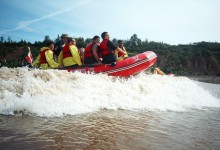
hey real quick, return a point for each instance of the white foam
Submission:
(57, 93)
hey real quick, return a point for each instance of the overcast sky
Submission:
(168, 21)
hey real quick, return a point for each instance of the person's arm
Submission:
(75, 55)
(116, 53)
(120, 50)
(50, 59)
(126, 54)
(94, 51)
(83, 57)
(113, 47)
(82, 51)
(36, 63)
(60, 58)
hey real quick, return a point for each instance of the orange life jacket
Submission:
(120, 53)
(105, 50)
(66, 51)
(43, 59)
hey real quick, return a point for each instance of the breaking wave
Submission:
(53, 93)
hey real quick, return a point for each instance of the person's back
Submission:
(69, 56)
(91, 55)
(80, 50)
(46, 58)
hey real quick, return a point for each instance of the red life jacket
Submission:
(120, 53)
(105, 50)
(66, 51)
(43, 59)
(88, 50)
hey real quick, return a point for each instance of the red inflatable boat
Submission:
(127, 67)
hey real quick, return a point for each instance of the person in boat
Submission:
(69, 56)
(81, 54)
(45, 60)
(108, 50)
(91, 52)
(120, 55)
(158, 71)
(74, 42)
(60, 44)
(81, 51)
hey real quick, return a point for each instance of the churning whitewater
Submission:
(53, 93)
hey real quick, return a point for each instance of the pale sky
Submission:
(168, 21)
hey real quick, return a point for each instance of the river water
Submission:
(59, 110)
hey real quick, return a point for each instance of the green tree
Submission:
(87, 41)
(2, 39)
(135, 41)
(46, 39)
(57, 39)
(80, 42)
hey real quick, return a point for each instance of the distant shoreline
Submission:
(206, 78)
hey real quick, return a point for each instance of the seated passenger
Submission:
(46, 57)
(108, 50)
(74, 42)
(120, 55)
(60, 44)
(81, 53)
(69, 56)
(158, 71)
(91, 52)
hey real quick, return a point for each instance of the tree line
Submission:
(183, 59)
